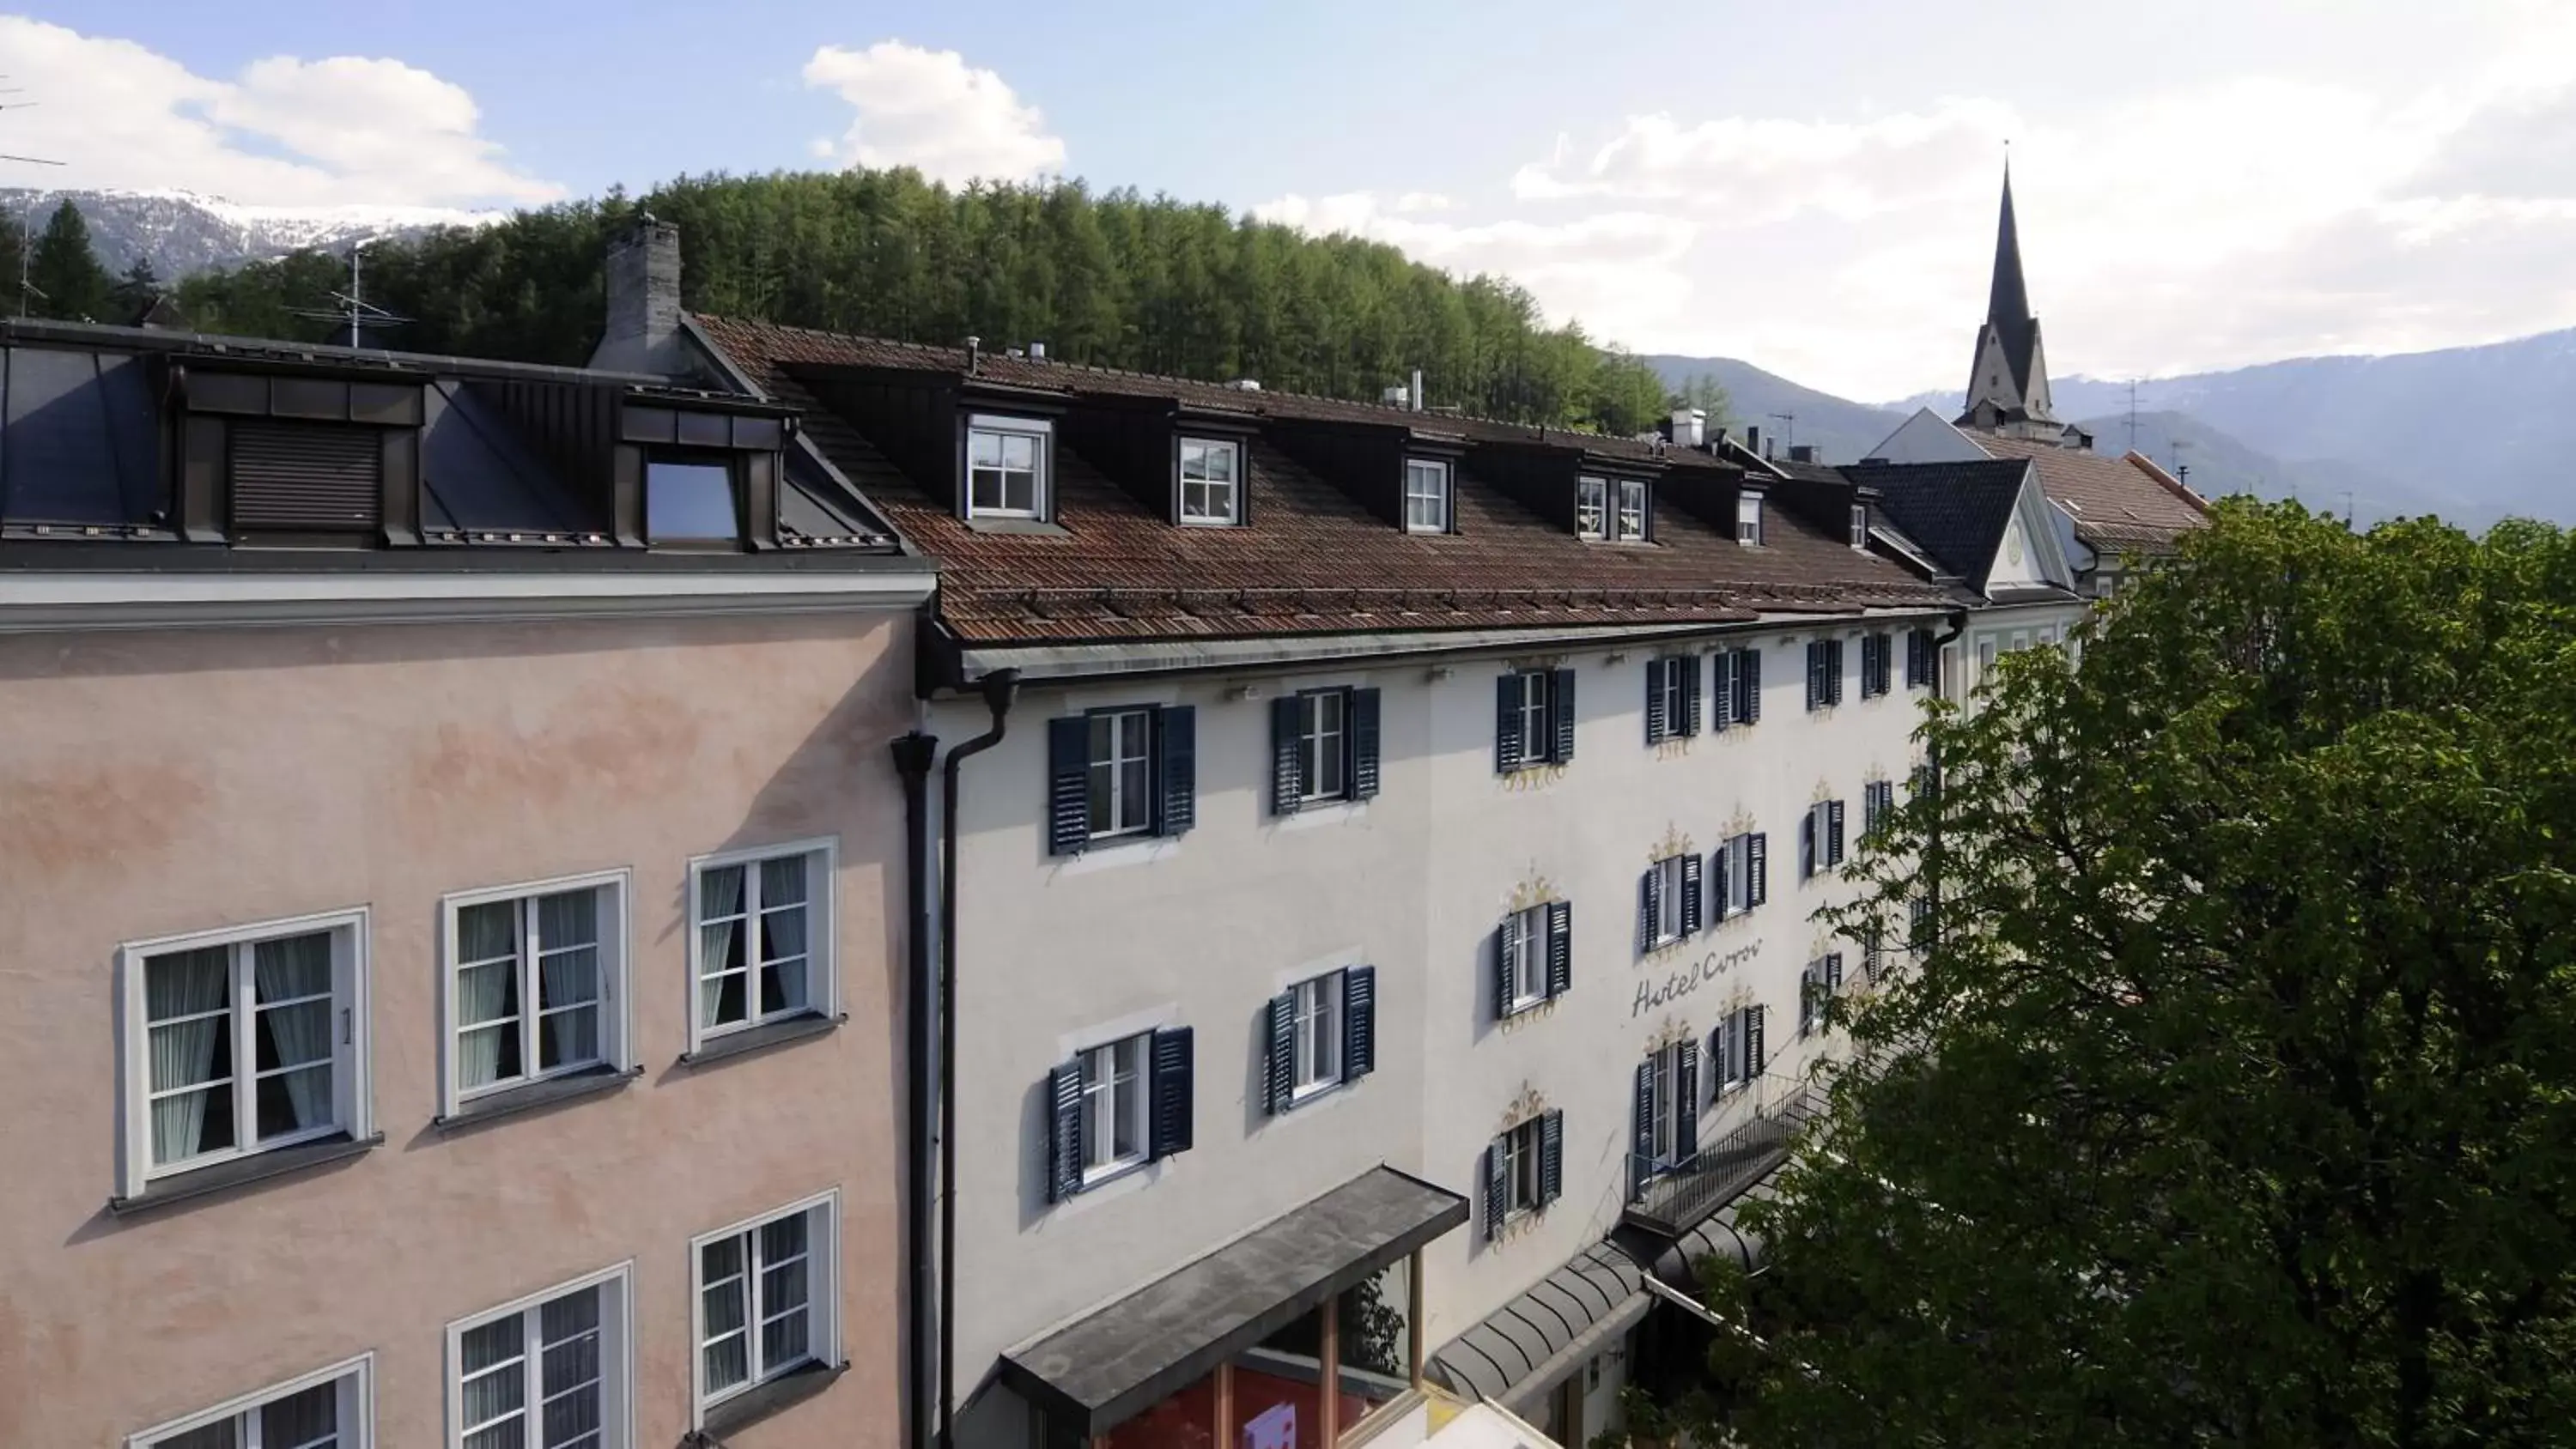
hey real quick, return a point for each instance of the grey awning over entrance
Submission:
(1118, 1361)
(1718, 1236)
(1536, 1341)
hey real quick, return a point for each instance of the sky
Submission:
(1811, 187)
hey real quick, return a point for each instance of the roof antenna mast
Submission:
(26, 210)
(354, 312)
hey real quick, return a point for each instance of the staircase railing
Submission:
(1675, 1198)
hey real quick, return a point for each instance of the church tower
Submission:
(2008, 381)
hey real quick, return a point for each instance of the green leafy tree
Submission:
(2233, 1098)
(69, 280)
(133, 293)
(1703, 391)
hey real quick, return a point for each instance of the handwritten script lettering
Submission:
(1690, 978)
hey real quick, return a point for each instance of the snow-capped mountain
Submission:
(180, 232)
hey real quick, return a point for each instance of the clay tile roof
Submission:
(1311, 559)
(2118, 505)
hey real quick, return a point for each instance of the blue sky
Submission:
(1810, 187)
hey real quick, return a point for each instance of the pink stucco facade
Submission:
(159, 783)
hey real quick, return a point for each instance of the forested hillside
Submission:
(1116, 279)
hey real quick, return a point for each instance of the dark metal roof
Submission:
(1600, 1292)
(77, 438)
(1118, 1361)
(1957, 512)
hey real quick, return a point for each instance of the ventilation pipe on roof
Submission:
(974, 354)
(1753, 439)
(1415, 394)
(1802, 453)
(1037, 352)
(1690, 428)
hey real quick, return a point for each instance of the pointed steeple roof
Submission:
(2008, 378)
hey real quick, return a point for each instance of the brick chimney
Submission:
(643, 333)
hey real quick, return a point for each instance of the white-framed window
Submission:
(243, 1041)
(1317, 1034)
(332, 1408)
(1525, 956)
(1666, 1091)
(1524, 1186)
(1859, 526)
(1426, 495)
(1117, 1123)
(1748, 519)
(1538, 721)
(1631, 519)
(1671, 921)
(1122, 772)
(555, 1370)
(767, 1299)
(1675, 681)
(761, 936)
(535, 982)
(1006, 468)
(1323, 744)
(1591, 507)
(1211, 481)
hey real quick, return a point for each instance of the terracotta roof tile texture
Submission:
(1310, 559)
(2119, 507)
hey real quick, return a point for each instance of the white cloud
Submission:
(341, 131)
(929, 109)
(1617, 272)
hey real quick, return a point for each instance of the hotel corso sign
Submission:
(1690, 977)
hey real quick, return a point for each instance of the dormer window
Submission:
(1632, 510)
(1591, 507)
(1748, 519)
(1211, 482)
(1610, 508)
(1426, 496)
(1859, 526)
(1006, 468)
(691, 500)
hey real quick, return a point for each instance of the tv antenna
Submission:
(26, 208)
(1788, 428)
(2133, 415)
(354, 310)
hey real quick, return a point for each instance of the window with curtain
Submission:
(535, 983)
(547, 1372)
(763, 937)
(765, 1299)
(319, 1411)
(248, 1043)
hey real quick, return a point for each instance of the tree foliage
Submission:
(2230, 1101)
(69, 280)
(1116, 279)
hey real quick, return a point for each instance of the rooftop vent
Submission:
(1690, 427)
(1396, 397)
(1802, 453)
(1245, 384)
(1037, 352)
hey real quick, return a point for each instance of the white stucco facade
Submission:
(1058, 953)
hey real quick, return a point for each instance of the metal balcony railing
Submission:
(1671, 1200)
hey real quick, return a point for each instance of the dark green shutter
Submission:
(1721, 691)
(1551, 1157)
(1833, 671)
(1810, 986)
(1686, 1100)
(1754, 1046)
(1502, 973)
(1816, 674)
(1287, 783)
(1363, 743)
(1690, 692)
(1561, 710)
(1641, 1129)
(1170, 1102)
(1508, 746)
(1064, 1139)
(1834, 971)
(1834, 831)
(1656, 726)
(1176, 730)
(1493, 1190)
(1560, 948)
(1807, 844)
(1694, 901)
(1757, 869)
(1748, 684)
(1649, 901)
(1717, 1056)
(1281, 1068)
(1359, 1022)
(1068, 785)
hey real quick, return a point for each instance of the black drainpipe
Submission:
(912, 758)
(999, 688)
(1932, 758)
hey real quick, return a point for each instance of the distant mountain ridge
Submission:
(182, 233)
(1842, 430)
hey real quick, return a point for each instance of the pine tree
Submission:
(133, 294)
(70, 282)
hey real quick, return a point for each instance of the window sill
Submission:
(761, 1038)
(257, 1167)
(527, 1097)
(1037, 526)
(1094, 1181)
(762, 1400)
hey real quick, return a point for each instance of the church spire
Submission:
(2009, 302)
(2008, 380)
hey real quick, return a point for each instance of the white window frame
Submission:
(1591, 506)
(1859, 527)
(1620, 493)
(1735, 886)
(1673, 686)
(357, 1410)
(616, 1357)
(1117, 774)
(822, 909)
(1316, 1031)
(1442, 497)
(822, 1299)
(1525, 946)
(1233, 486)
(1523, 1166)
(1100, 1159)
(1042, 479)
(1669, 920)
(1736, 1030)
(1316, 745)
(1748, 519)
(1820, 832)
(1538, 716)
(352, 1087)
(616, 888)
(1664, 1089)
